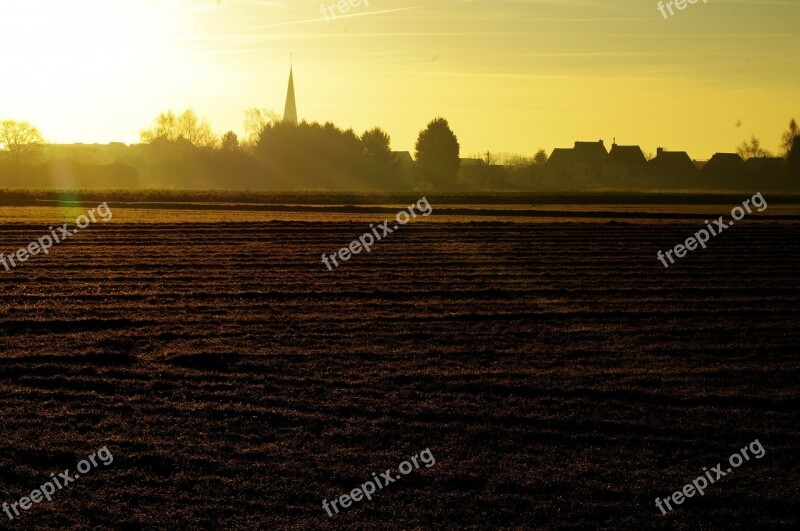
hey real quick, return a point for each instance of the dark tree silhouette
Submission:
(437, 152)
(789, 136)
(540, 157)
(313, 155)
(382, 162)
(230, 142)
(794, 158)
(377, 145)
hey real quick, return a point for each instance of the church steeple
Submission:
(290, 111)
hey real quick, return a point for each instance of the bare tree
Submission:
(255, 120)
(515, 160)
(196, 130)
(20, 140)
(188, 126)
(752, 149)
(483, 168)
(165, 125)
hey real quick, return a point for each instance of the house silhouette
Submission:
(624, 164)
(766, 169)
(724, 166)
(674, 168)
(580, 164)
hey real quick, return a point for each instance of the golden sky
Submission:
(509, 75)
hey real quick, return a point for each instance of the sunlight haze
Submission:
(510, 76)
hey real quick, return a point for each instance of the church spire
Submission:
(290, 111)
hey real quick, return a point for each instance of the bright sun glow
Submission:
(84, 39)
(79, 51)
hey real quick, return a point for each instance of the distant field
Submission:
(136, 213)
(41, 197)
(561, 377)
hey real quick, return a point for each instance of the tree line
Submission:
(311, 155)
(182, 151)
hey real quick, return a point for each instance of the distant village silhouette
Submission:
(289, 155)
(590, 163)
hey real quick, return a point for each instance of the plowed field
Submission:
(560, 375)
